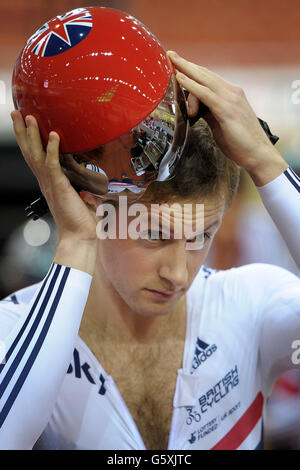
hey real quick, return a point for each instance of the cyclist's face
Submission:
(151, 275)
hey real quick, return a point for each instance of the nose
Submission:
(173, 266)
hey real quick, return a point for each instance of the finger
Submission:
(52, 156)
(35, 146)
(214, 102)
(193, 105)
(201, 74)
(20, 132)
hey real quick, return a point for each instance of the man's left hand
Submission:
(232, 120)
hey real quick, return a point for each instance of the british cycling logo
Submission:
(78, 368)
(208, 401)
(202, 352)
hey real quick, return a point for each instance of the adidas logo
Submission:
(202, 352)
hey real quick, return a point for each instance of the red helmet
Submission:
(103, 82)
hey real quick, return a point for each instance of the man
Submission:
(171, 354)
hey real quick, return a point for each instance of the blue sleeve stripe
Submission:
(296, 176)
(18, 337)
(291, 179)
(30, 361)
(11, 371)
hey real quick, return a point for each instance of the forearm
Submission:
(38, 350)
(281, 197)
(77, 254)
(269, 165)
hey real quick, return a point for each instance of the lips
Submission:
(162, 294)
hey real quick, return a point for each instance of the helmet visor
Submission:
(150, 151)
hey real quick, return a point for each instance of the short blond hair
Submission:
(202, 172)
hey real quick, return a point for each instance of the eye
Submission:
(200, 238)
(206, 236)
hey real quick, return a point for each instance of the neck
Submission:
(108, 317)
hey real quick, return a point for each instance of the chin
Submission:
(152, 313)
(154, 309)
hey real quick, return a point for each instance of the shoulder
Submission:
(13, 308)
(256, 282)
(266, 282)
(257, 273)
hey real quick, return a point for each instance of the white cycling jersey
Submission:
(242, 325)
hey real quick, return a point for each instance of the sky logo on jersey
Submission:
(12, 298)
(208, 272)
(202, 352)
(79, 368)
(62, 33)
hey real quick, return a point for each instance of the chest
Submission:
(146, 379)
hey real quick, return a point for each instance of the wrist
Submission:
(77, 253)
(269, 165)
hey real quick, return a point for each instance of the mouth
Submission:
(162, 295)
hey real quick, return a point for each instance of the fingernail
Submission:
(174, 54)
(180, 76)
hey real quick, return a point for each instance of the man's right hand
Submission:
(76, 224)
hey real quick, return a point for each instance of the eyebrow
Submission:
(213, 224)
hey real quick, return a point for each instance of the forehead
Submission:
(189, 208)
(200, 213)
(175, 220)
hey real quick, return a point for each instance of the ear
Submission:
(90, 199)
